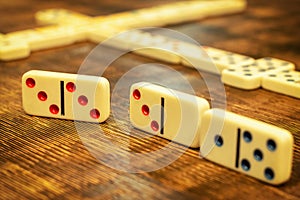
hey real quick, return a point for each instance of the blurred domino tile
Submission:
(171, 13)
(225, 59)
(12, 49)
(167, 113)
(250, 76)
(68, 27)
(73, 27)
(284, 82)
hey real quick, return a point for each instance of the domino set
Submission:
(257, 149)
(246, 145)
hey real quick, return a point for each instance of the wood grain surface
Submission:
(44, 158)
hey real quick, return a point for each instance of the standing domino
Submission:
(171, 13)
(45, 37)
(168, 113)
(284, 82)
(66, 96)
(246, 145)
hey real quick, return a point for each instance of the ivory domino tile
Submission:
(249, 146)
(66, 96)
(284, 82)
(167, 113)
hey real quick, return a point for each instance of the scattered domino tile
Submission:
(257, 149)
(66, 96)
(193, 10)
(231, 6)
(146, 44)
(146, 16)
(123, 19)
(60, 16)
(12, 50)
(162, 48)
(284, 82)
(155, 46)
(98, 34)
(194, 56)
(250, 76)
(129, 40)
(171, 13)
(226, 59)
(77, 33)
(232, 60)
(119, 21)
(44, 37)
(211, 59)
(275, 64)
(214, 52)
(167, 113)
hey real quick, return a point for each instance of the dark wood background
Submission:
(46, 158)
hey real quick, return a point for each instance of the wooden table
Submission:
(47, 158)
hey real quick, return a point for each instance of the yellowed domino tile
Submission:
(167, 113)
(74, 27)
(285, 82)
(102, 33)
(66, 96)
(13, 50)
(250, 76)
(60, 16)
(193, 55)
(45, 37)
(157, 47)
(246, 145)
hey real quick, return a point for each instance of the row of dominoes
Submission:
(237, 70)
(162, 15)
(243, 144)
(69, 27)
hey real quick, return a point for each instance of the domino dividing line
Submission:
(237, 158)
(162, 115)
(62, 98)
